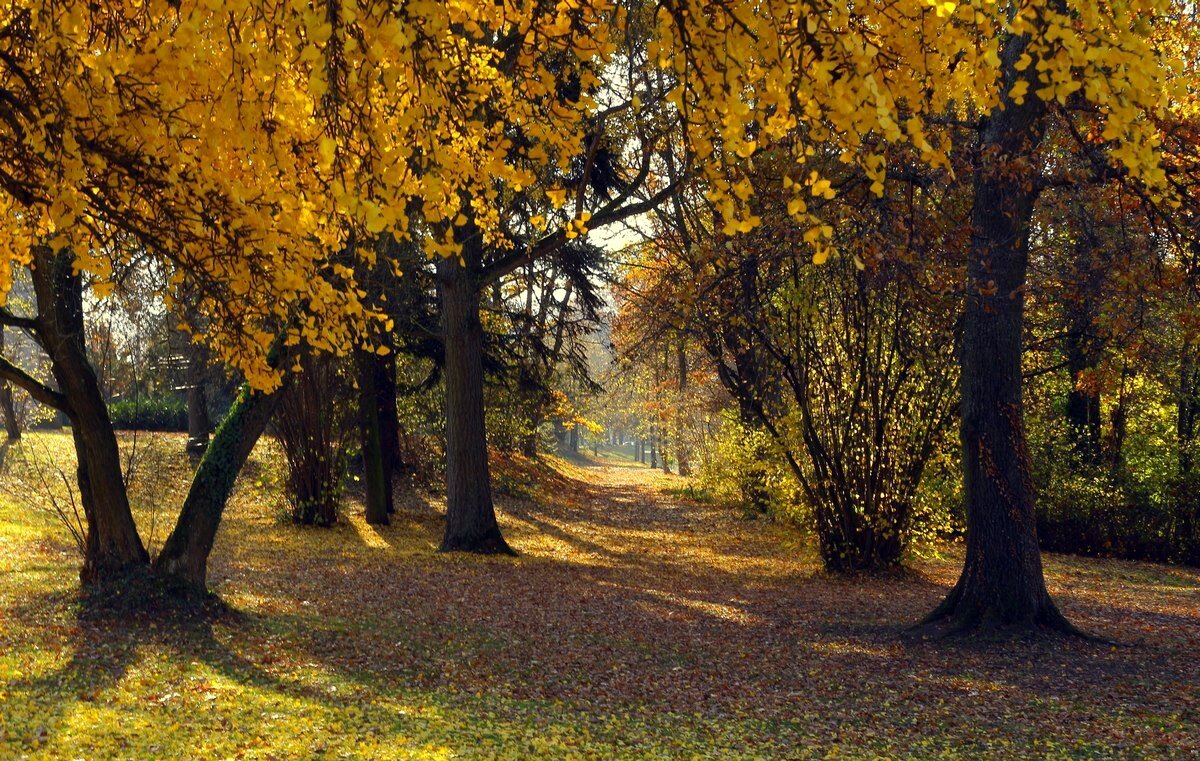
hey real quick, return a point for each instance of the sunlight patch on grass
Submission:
(369, 535)
(633, 626)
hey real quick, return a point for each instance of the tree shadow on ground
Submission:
(652, 605)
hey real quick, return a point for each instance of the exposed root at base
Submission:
(955, 619)
(492, 544)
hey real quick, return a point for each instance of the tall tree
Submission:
(1002, 581)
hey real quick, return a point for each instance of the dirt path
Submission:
(627, 597)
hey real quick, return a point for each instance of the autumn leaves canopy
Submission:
(252, 149)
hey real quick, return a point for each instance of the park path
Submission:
(627, 596)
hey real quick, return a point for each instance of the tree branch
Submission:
(38, 390)
(16, 321)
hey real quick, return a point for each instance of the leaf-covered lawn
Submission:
(635, 624)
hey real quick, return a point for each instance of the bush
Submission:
(313, 426)
(151, 413)
(1098, 511)
(741, 466)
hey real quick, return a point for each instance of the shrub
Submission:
(151, 413)
(312, 424)
(740, 465)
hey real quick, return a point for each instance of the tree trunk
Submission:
(199, 425)
(1187, 407)
(470, 515)
(1187, 415)
(184, 556)
(681, 454)
(377, 465)
(662, 450)
(529, 446)
(11, 425)
(112, 547)
(1083, 403)
(389, 420)
(1001, 582)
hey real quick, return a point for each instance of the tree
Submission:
(236, 154)
(1021, 59)
(1002, 581)
(12, 426)
(239, 147)
(311, 427)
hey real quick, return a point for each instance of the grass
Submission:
(634, 625)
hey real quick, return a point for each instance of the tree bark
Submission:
(184, 556)
(529, 446)
(662, 450)
(1002, 582)
(1187, 407)
(1187, 414)
(199, 425)
(377, 463)
(470, 515)
(681, 453)
(12, 426)
(389, 420)
(112, 546)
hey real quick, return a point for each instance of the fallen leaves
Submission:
(635, 624)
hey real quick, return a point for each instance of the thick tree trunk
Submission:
(11, 425)
(184, 556)
(1001, 582)
(470, 515)
(113, 548)
(377, 464)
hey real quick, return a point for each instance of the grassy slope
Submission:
(634, 625)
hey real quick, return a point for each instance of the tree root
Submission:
(491, 543)
(953, 618)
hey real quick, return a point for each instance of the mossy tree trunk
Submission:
(184, 556)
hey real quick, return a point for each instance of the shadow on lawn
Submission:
(106, 642)
(625, 618)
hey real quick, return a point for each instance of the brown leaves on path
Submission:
(634, 624)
